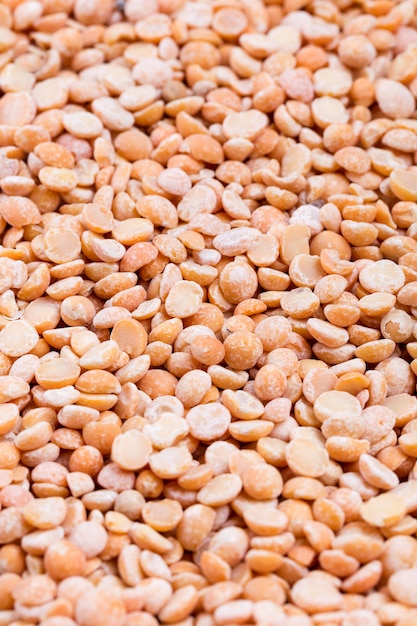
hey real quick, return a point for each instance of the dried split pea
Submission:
(208, 300)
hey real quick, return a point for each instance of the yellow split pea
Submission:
(208, 296)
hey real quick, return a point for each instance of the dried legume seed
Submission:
(207, 305)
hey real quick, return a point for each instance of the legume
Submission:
(208, 286)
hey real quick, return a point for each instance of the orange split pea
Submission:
(208, 300)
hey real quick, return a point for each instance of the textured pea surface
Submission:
(208, 305)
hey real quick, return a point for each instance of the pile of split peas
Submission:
(208, 313)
